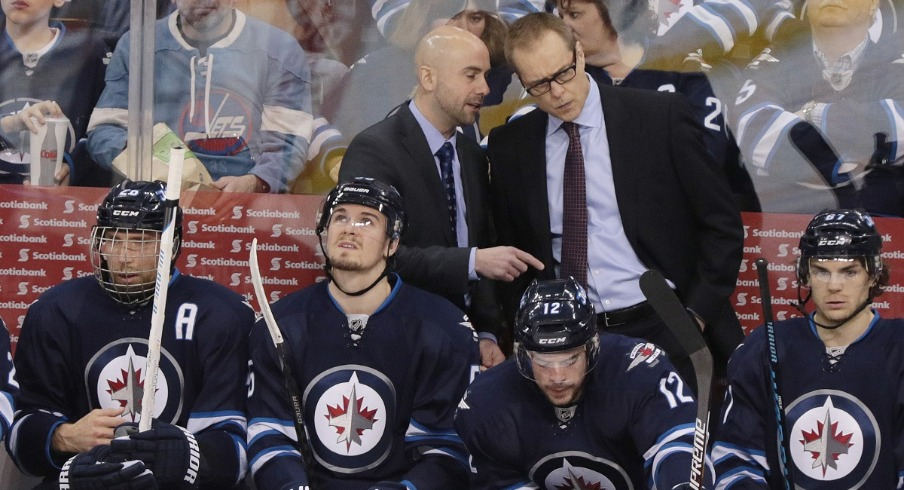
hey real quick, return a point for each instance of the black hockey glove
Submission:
(90, 471)
(169, 451)
(388, 485)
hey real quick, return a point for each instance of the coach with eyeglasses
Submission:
(603, 183)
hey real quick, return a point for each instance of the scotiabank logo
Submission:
(23, 254)
(275, 264)
(277, 231)
(192, 227)
(237, 212)
(67, 273)
(236, 246)
(274, 295)
(69, 207)
(236, 279)
(191, 260)
(24, 220)
(67, 239)
(23, 289)
(742, 299)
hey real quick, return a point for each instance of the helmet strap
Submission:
(801, 302)
(362, 291)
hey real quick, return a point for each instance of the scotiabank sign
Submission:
(44, 239)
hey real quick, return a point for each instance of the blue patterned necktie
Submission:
(574, 209)
(445, 154)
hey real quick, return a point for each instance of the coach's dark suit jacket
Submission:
(674, 202)
(395, 151)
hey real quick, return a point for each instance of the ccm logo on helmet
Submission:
(121, 212)
(553, 341)
(834, 241)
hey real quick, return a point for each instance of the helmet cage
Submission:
(142, 246)
(131, 219)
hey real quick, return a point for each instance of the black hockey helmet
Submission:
(369, 192)
(137, 208)
(136, 205)
(840, 234)
(554, 315)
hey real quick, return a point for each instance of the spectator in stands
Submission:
(234, 88)
(9, 387)
(615, 37)
(818, 120)
(351, 105)
(46, 69)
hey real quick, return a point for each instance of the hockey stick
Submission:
(675, 316)
(774, 371)
(161, 286)
(288, 377)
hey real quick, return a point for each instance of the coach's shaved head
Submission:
(451, 68)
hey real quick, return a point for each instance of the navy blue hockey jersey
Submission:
(844, 424)
(377, 407)
(632, 428)
(80, 350)
(9, 387)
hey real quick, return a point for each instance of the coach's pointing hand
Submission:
(504, 263)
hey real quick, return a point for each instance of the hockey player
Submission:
(9, 387)
(82, 351)
(381, 364)
(574, 409)
(840, 378)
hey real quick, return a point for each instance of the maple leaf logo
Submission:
(351, 419)
(826, 444)
(128, 390)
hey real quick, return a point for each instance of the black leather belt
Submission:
(624, 315)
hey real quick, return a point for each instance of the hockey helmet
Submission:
(840, 234)
(132, 215)
(554, 315)
(369, 192)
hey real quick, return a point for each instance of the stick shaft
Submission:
(161, 287)
(290, 383)
(762, 268)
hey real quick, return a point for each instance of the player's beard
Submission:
(570, 393)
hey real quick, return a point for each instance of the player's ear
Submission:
(392, 248)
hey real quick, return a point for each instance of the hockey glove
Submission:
(90, 471)
(169, 451)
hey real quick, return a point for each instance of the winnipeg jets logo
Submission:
(351, 415)
(833, 437)
(573, 470)
(115, 378)
(351, 419)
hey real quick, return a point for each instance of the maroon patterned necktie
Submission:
(574, 213)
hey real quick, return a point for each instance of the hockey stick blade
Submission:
(276, 335)
(161, 286)
(675, 316)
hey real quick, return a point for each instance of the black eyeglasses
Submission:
(561, 77)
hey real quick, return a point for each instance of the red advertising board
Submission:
(44, 239)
